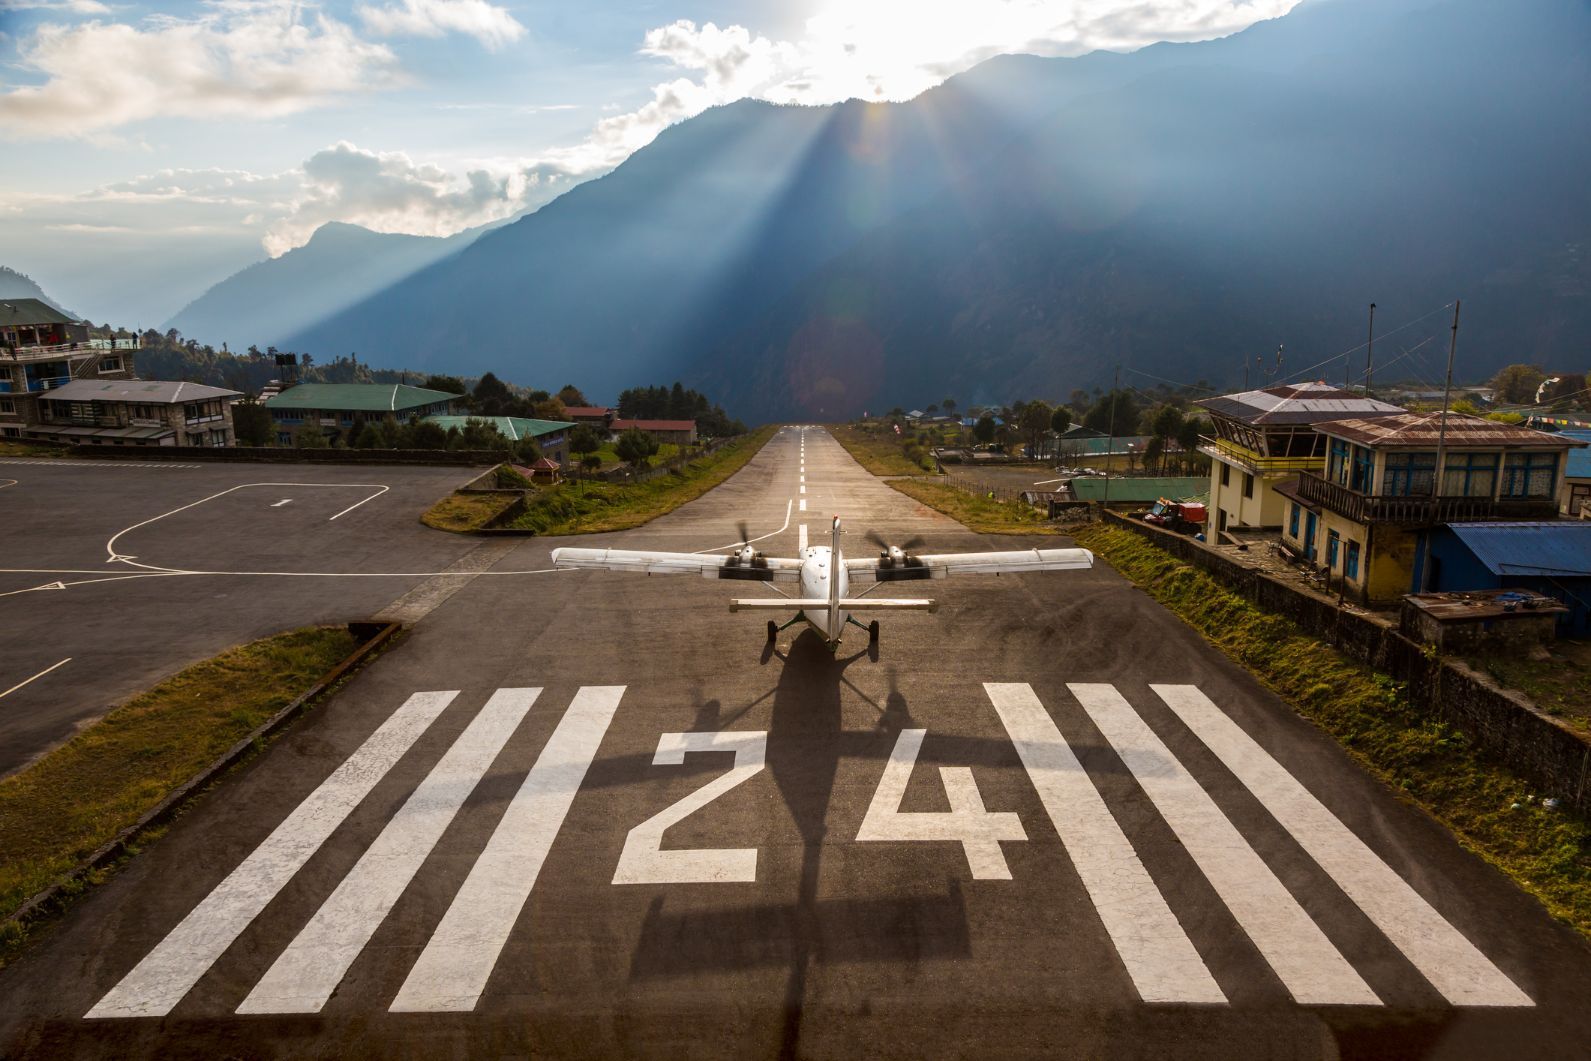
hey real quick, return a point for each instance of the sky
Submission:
(149, 150)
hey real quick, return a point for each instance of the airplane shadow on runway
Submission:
(806, 742)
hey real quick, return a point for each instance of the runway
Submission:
(591, 814)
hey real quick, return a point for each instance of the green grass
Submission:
(878, 449)
(66, 805)
(1559, 686)
(610, 456)
(462, 513)
(11, 448)
(1548, 853)
(580, 507)
(982, 514)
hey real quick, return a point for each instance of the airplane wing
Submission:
(943, 565)
(707, 565)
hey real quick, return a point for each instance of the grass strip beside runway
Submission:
(1548, 853)
(981, 514)
(462, 513)
(580, 507)
(63, 807)
(882, 452)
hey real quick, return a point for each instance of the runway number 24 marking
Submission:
(643, 860)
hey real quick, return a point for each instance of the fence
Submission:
(1534, 745)
(974, 485)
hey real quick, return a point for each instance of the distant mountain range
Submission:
(339, 266)
(18, 285)
(1027, 227)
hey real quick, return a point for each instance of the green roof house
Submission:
(343, 406)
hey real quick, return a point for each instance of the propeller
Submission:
(744, 553)
(745, 533)
(906, 546)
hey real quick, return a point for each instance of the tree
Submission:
(526, 451)
(310, 436)
(1188, 437)
(1516, 384)
(635, 447)
(591, 461)
(492, 396)
(570, 395)
(1099, 416)
(251, 422)
(1060, 419)
(584, 439)
(1154, 449)
(446, 384)
(1165, 424)
(948, 405)
(1569, 391)
(424, 434)
(1034, 421)
(479, 434)
(983, 430)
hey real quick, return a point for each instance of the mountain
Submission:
(340, 265)
(18, 285)
(1033, 223)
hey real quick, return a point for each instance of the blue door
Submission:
(1309, 535)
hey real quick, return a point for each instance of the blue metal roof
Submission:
(1561, 548)
(1579, 464)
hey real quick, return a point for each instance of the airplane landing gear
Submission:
(872, 632)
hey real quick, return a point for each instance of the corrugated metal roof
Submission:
(1423, 429)
(26, 312)
(357, 397)
(1560, 548)
(1579, 463)
(512, 428)
(655, 425)
(143, 391)
(1297, 403)
(1146, 489)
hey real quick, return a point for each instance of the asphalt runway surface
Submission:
(111, 628)
(594, 814)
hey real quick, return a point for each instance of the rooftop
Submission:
(512, 428)
(593, 412)
(1423, 430)
(357, 397)
(142, 391)
(1148, 489)
(26, 312)
(1579, 463)
(1297, 403)
(1554, 548)
(655, 425)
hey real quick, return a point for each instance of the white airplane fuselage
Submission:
(823, 578)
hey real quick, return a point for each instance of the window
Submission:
(1248, 485)
(1226, 474)
(1333, 539)
(283, 438)
(1350, 562)
(1364, 463)
(110, 364)
(1579, 495)
(8, 407)
(1529, 474)
(1409, 474)
(1292, 521)
(1469, 475)
(11, 432)
(82, 410)
(1337, 463)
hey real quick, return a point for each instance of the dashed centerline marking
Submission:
(283, 501)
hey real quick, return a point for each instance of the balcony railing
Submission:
(48, 383)
(1254, 462)
(1379, 508)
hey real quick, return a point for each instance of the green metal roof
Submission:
(512, 428)
(1146, 489)
(357, 397)
(26, 312)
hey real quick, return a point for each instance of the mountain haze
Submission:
(19, 285)
(1034, 222)
(340, 265)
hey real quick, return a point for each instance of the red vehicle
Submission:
(1186, 517)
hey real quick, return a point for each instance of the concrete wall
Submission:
(289, 455)
(1503, 724)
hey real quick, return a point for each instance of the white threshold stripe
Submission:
(801, 539)
(458, 959)
(169, 972)
(1443, 955)
(307, 973)
(1158, 956)
(1314, 972)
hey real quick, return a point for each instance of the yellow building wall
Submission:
(1386, 553)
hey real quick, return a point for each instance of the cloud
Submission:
(74, 7)
(493, 26)
(239, 59)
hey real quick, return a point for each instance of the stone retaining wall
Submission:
(1538, 747)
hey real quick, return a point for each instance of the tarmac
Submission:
(591, 814)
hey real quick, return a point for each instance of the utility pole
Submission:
(1370, 349)
(1245, 372)
(1110, 444)
(1441, 447)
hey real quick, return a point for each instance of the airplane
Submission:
(825, 575)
